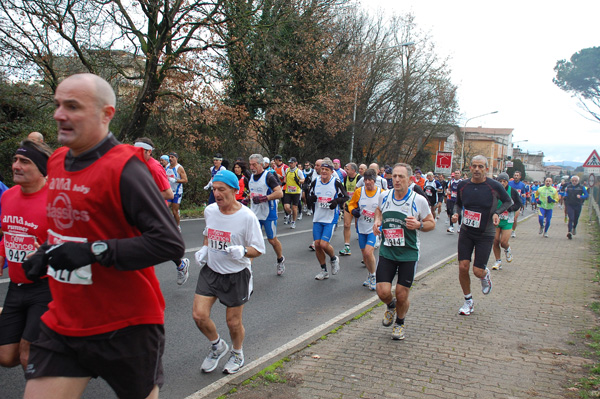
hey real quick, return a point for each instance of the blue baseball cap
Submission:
(228, 178)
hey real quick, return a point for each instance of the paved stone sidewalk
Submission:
(518, 343)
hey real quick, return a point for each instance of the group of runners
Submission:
(84, 225)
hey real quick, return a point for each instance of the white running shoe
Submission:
(293, 226)
(299, 216)
(372, 283)
(309, 213)
(546, 235)
(281, 266)
(286, 219)
(214, 355)
(367, 282)
(450, 229)
(335, 265)
(323, 275)
(389, 317)
(508, 254)
(513, 234)
(497, 265)
(234, 364)
(467, 308)
(486, 283)
(398, 332)
(183, 271)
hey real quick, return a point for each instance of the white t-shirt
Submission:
(240, 228)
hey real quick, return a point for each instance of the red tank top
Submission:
(86, 206)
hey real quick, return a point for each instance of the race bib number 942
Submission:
(18, 246)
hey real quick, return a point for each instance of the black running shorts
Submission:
(387, 270)
(232, 289)
(130, 359)
(469, 241)
(23, 307)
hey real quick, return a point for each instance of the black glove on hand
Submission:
(356, 212)
(70, 255)
(260, 199)
(312, 198)
(245, 201)
(36, 266)
(333, 204)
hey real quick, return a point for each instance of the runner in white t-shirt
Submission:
(232, 237)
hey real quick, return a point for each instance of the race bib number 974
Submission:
(471, 219)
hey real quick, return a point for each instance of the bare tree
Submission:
(143, 43)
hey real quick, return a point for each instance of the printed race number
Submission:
(324, 202)
(394, 237)
(18, 246)
(472, 219)
(82, 275)
(368, 216)
(218, 240)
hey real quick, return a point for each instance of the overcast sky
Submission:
(502, 56)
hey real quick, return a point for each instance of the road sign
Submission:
(592, 165)
(443, 162)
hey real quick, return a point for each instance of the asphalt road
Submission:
(281, 308)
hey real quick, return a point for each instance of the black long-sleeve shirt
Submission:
(144, 208)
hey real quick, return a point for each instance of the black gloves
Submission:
(260, 199)
(550, 200)
(65, 256)
(36, 266)
(356, 212)
(312, 198)
(70, 255)
(333, 204)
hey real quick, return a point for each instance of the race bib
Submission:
(81, 276)
(453, 194)
(218, 240)
(471, 219)
(324, 202)
(368, 215)
(292, 189)
(18, 246)
(504, 215)
(394, 237)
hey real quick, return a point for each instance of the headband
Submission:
(145, 146)
(37, 157)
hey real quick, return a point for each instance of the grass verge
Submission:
(589, 386)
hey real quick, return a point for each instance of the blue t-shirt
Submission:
(520, 187)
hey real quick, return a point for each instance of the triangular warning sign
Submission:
(593, 161)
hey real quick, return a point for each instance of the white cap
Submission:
(266, 160)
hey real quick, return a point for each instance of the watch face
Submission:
(99, 247)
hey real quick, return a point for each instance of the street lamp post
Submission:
(356, 94)
(462, 151)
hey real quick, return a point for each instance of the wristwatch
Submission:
(245, 251)
(99, 248)
(421, 227)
